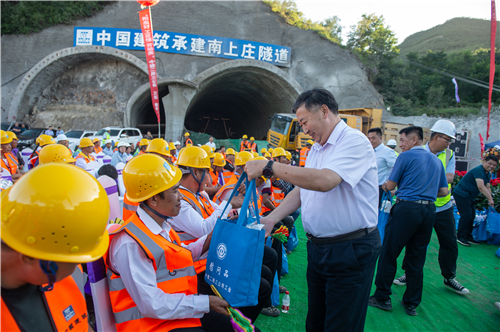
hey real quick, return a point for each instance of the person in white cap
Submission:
(120, 155)
(442, 134)
(106, 134)
(392, 144)
(108, 148)
(63, 140)
(178, 146)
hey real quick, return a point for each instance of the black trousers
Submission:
(409, 225)
(269, 265)
(448, 248)
(467, 210)
(212, 322)
(339, 279)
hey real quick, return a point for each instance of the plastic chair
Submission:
(112, 190)
(119, 168)
(105, 321)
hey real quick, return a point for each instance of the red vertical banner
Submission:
(149, 47)
(492, 61)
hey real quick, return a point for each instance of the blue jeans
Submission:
(339, 279)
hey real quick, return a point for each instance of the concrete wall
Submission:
(315, 61)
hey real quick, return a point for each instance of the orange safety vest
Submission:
(303, 156)
(278, 195)
(214, 177)
(175, 274)
(253, 146)
(11, 164)
(34, 159)
(97, 149)
(189, 141)
(87, 159)
(129, 208)
(265, 208)
(244, 145)
(204, 209)
(141, 152)
(228, 186)
(226, 175)
(65, 305)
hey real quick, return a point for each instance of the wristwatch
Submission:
(268, 170)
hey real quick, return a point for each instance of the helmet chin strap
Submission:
(200, 182)
(144, 206)
(50, 269)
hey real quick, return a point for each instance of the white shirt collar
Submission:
(379, 147)
(151, 223)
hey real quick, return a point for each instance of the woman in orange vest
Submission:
(97, 145)
(43, 241)
(147, 261)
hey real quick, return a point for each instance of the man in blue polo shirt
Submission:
(421, 178)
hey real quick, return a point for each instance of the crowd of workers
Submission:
(155, 255)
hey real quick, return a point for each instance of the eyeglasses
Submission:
(449, 140)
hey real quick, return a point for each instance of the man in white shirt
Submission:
(337, 192)
(386, 157)
(211, 143)
(151, 276)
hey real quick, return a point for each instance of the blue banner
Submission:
(184, 43)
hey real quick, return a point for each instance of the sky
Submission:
(403, 17)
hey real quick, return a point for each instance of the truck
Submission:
(285, 131)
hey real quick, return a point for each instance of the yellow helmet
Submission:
(180, 152)
(255, 154)
(171, 146)
(95, 140)
(259, 158)
(144, 142)
(189, 144)
(245, 136)
(46, 215)
(242, 158)
(263, 150)
(194, 156)
(209, 151)
(252, 138)
(270, 150)
(6, 139)
(288, 155)
(219, 160)
(267, 155)
(158, 145)
(85, 143)
(43, 140)
(55, 153)
(11, 134)
(230, 152)
(310, 141)
(278, 152)
(186, 134)
(147, 175)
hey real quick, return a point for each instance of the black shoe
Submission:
(373, 302)
(282, 289)
(472, 241)
(455, 285)
(270, 311)
(409, 309)
(463, 242)
(401, 281)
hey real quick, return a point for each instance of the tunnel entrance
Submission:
(239, 101)
(144, 114)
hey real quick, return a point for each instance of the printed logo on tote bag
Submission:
(221, 251)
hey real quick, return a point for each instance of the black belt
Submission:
(341, 238)
(420, 201)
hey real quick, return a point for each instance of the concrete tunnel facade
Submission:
(88, 87)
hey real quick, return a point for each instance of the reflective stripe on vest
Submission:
(265, 208)
(175, 274)
(244, 145)
(227, 175)
(97, 149)
(189, 141)
(228, 186)
(66, 307)
(278, 195)
(11, 164)
(303, 156)
(213, 177)
(253, 146)
(87, 159)
(445, 158)
(129, 208)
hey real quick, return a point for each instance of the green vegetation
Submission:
(455, 35)
(23, 17)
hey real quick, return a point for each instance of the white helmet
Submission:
(61, 137)
(391, 142)
(177, 143)
(108, 141)
(444, 127)
(120, 144)
(107, 129)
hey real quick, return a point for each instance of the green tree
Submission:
(333, 27)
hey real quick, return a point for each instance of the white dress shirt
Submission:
(139, 276)
(191, 222)
(386, 157)
(353, 204)
(211, 144)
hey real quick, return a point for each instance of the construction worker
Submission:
(153, 283)
(304, 152)
(187, 140)
(46, 233)
(108, 148)
(9, 162)
(279, 156)
(56, 153)
(244, 144)
(159, 147)
(173, 151)
(288, 156)
(120, 156)
(263, 151)
(85, 157)
(442, 132)
(41, 141)
(15, 151)
(63, 140)
(107, 134)
(392, 144)
(218, 168)
(143, 145)
(178, 147)
(97, 145)
(225, 191)
(228, 171)
(252, 145)
(268, 156)
(212, 184)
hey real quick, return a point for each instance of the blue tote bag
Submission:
(493, 226)
(383, 215)
(234, 261)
